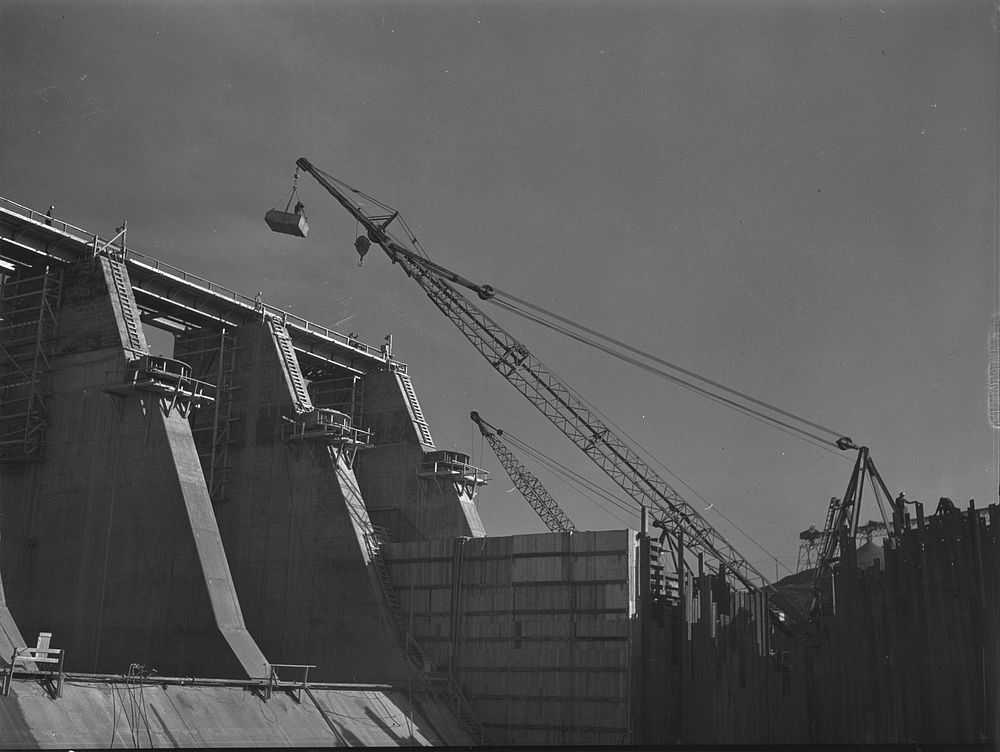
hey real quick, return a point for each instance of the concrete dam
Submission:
(255, 541)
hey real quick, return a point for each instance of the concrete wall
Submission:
(412, 508)
(109, 542)
(538, 629)
(293, 522)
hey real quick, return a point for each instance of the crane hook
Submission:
(362, 244)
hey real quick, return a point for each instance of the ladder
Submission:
(441, 683)
(287, 352)
(135, 345)
(416, 414)
(223, 419)
(830, 532)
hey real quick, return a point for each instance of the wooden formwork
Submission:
(909, 654)
(537, 629)
(554, 642)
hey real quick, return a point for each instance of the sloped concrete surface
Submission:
(97, 714)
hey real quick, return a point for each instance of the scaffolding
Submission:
(216, 431)
(29, 305)
(167, 378)
(330, 427)
(443, 466)
(342, 393)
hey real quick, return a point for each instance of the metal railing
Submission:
(452, 468)
(135, 258)
(297, 430)
(28, 658)
(161, 373)
(273, 682)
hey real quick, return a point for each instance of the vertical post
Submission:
(856, 508)
(270, 682)
(59, 682)
(682, 643)
(354, 404)
(215, 421)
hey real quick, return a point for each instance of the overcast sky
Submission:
(797, 199)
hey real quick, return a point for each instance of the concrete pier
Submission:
(108, 540)
(291, 515)
(407, 491)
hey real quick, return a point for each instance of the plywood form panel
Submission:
(543, 618)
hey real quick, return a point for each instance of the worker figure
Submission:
(299, 206)
(945, 506)
(901, 502)
(48, 214)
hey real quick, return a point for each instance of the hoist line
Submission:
(550, 395)
(432, 269)
(569, 475)
(591, 494)
(666, 363)
(713, 507)
(486, 292)
(436, 269)
(791, 430)
(410, 236)
(559, 469)
(564, 472)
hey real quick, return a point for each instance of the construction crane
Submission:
(531, 488)
(810, 540)
(844, 516)
(564, 407)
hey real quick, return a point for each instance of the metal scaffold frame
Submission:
(444, 467)
(219, 351)
(29, 308)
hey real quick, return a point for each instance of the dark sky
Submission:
(797, 199)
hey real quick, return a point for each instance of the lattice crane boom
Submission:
(538, 498)
(554, 399)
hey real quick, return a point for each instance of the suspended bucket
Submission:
(288, 223)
